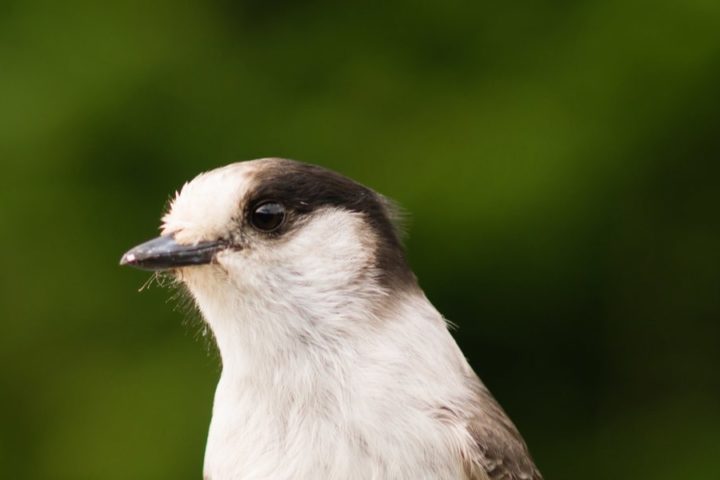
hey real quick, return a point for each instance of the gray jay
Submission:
(334, 363)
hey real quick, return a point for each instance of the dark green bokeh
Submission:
(560, 162)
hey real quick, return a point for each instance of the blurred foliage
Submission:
(560, 162)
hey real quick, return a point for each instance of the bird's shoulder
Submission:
(498, 451)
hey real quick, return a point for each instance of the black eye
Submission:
(268, 216)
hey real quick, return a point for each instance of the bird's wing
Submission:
(499, 451)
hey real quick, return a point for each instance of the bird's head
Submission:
(274, 234)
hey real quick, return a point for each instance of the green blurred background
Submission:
(560, 162)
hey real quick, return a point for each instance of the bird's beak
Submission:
(164, 253)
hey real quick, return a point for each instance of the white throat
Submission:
(266, 307)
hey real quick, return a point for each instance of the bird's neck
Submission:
(259, 336)
(325, 381)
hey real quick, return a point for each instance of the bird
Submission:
(334, 363)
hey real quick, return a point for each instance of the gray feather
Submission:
(500, 452)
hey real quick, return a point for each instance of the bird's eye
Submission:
(268, 216)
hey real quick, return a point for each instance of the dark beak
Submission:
(164, 253)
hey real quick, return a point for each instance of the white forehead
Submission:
(204, 207)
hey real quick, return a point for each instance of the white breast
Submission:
(366, 411)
